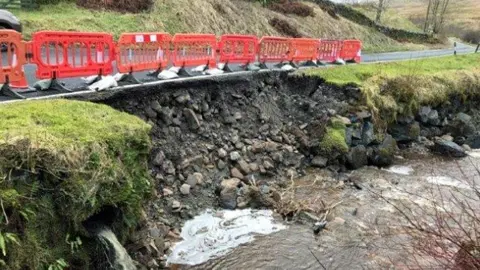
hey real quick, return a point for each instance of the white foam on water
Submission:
(402, 170)
(213, 234)
(447, 181)
(474, 153)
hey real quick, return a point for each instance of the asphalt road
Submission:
(77, 84)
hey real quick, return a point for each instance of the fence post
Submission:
(478, 47)
(455, 48)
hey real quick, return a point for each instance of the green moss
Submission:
(334, 138)
(62, 162)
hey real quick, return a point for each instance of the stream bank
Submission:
(236, 142)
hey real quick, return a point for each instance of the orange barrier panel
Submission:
(72, 54)
(12, 60)
(330, 50)
(304, 49)
(238, 49)
(351, 51)
(142, 51)
(274, 49)
(194, 50)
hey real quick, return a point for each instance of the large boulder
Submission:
(449, 148)
(473, 141)
(462, 125)
(405, 133)
(357, 157)
(384, 155)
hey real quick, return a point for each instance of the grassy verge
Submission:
(400, 88)
(60, 163)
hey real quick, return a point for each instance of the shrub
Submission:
(134, 6)
(472, 36)
(284, 27)
(297, 8)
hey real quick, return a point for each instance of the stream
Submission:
(361, 227)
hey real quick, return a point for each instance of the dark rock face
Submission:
(449, 148)
(473, 141)
(462, 125)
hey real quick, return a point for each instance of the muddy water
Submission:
(361, 233)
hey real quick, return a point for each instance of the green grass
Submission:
(60, 163)
(359, 74)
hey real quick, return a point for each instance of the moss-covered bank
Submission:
(62, 162)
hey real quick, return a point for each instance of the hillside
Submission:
(205, 16)
(462, 17)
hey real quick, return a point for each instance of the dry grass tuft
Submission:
(296, 8)
(285, 28)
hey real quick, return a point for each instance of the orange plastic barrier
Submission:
(194, 50)
(238, 49)
(142, 51)
(274, 49)
(72, 54)
(13, 58)
(304, 49)
(351, 50)
(330, 50)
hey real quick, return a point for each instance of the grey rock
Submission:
(462, 125)
(150, 113)
(345, 120)
(466, 147)
(228, 198)
(235, 173)
(254, 167)
(319, 162)
(368, 134)
(194, 179)
(331, 112)
(176, 204)
(364, 115)
(234, 156)
(348, 135)
(237, 116)
(159, 158)
(423, 114)
(268, 165)
(473, 141)
(385, 154)
(166, 115)
(405, 119)
(155, 105)
(222, 153)
(357, 157)
(231, 183)
(433, 118)
(183, 99)
(277, 156)
(221, 165)
(244, 167)
(449, 148)
(192, 119)
(185, 189)
(405, 133)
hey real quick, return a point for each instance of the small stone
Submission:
(345, 120)
(155, 105)
(235, 173)
(230, 183)
(278, 157)
(150, 113)
(268, 165)
(319, 162)
(176, 204)
(192, 119)
(237, 116)
(182, 99)
(159, 158)
(466, 147)
(423, 114)
(364, 115)
(254, 167)
(228, 198)
(368, 135)
(194, 179)
(221, 165)
(185, 189)
(244, 167)
(167, 192)
(331, 112)
(234, 156)
(447, 137)
(222, 153)
(357, 157)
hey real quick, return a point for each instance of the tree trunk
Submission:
(425, 28)
(380, 9)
